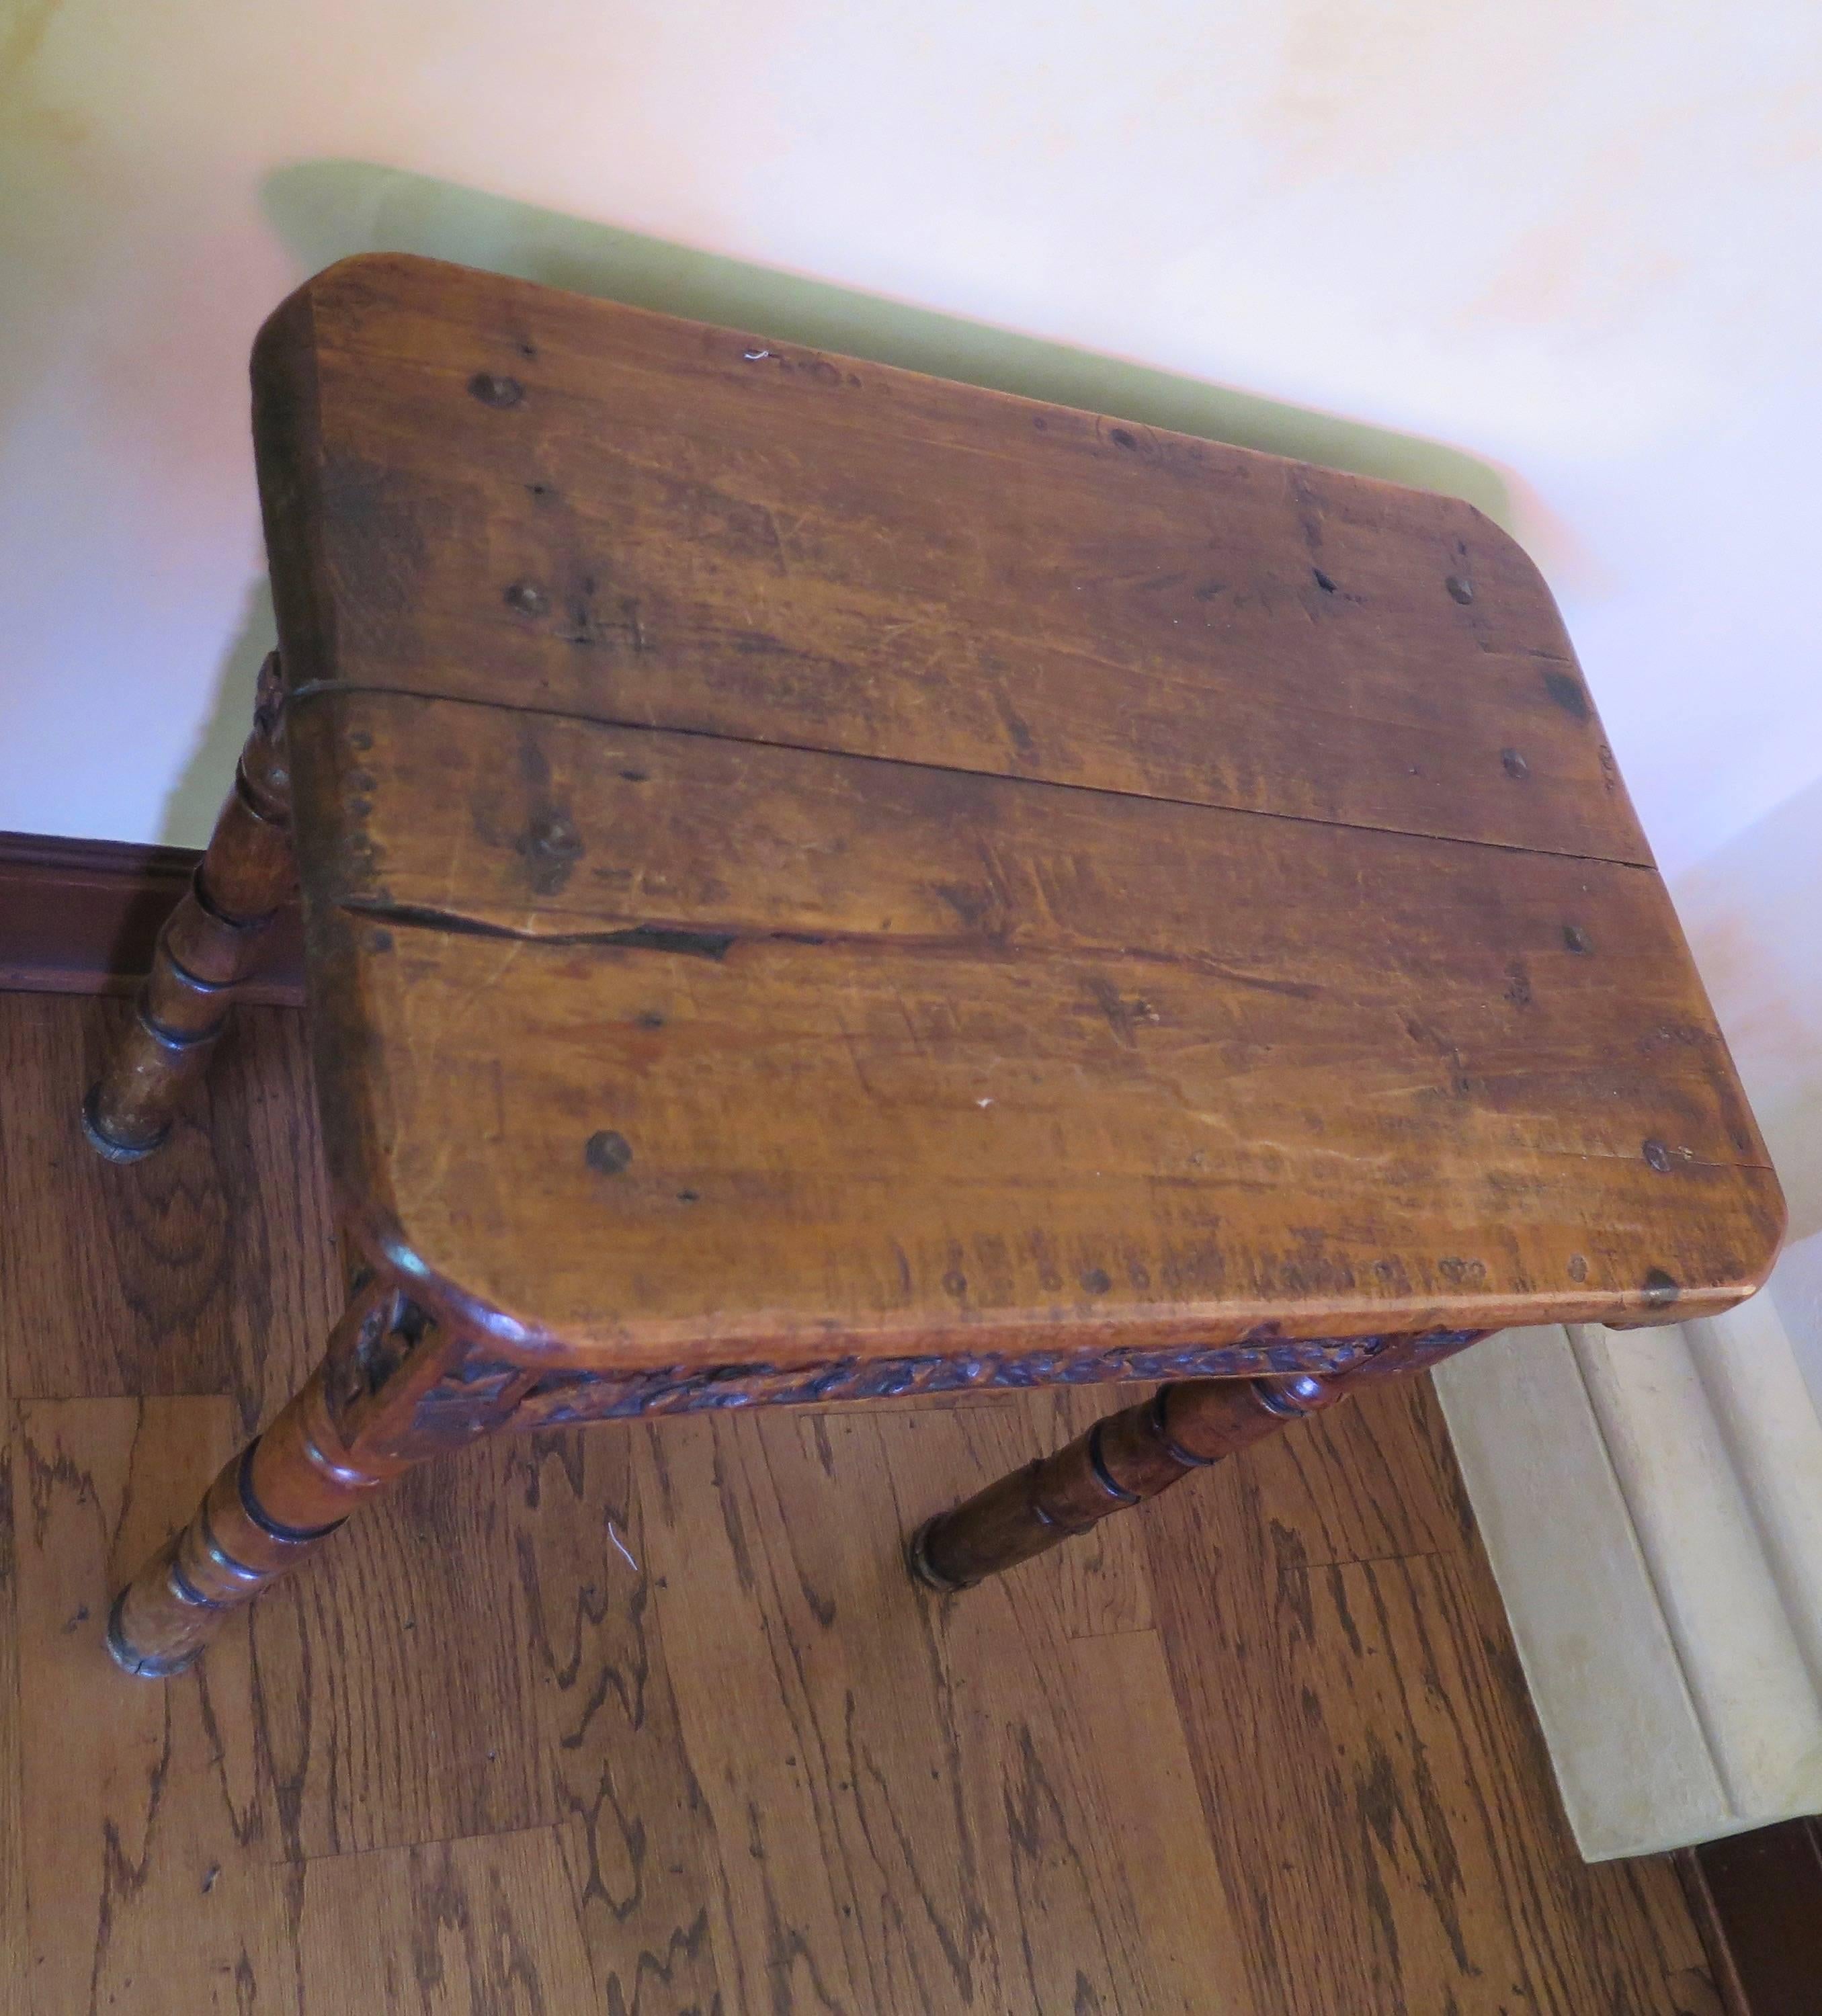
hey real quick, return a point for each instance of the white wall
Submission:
(1562, 257)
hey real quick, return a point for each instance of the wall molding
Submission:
(1651, 1501)
(80, 917)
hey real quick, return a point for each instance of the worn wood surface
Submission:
(1268, 1754)
(900, 869)
(480, 487)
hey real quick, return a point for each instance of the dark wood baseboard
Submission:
(80, 917)
(1757, 1898)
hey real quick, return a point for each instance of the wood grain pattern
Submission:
(1412, 1777)
(934, 873)
(340, 1730)
(410, 1686)
(479, 488)
(639, 1833)
(810, 1707)
(454, 1928)
(1157, 997)
(149, 1881)
(209, 1268)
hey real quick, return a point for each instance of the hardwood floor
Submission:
(650, 1718)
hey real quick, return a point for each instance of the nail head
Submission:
(608, 1153)
(494, 390)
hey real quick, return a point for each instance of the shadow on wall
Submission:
(1750, 911)
(191, 806)
(326, 211)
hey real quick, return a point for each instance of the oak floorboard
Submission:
(208, 1268)
(395, 1680)
(478, 1928)
(815, 1716)
(639, 1845)
(1380, 1799)
(1078, 1801)
(145, 1821)
(1372, 1479)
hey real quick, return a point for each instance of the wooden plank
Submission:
(1373, 1480)
(813, 1718)
(709, 532)
(1086, 1834)
(398, 1688)
(1154, 1821)
(819, 1149)
(1407, 1849)
(148, 1830)
(209, 1269)
(452, 1928)
(640, 1848)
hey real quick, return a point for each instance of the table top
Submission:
(803, 859)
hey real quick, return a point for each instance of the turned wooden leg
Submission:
(205, 949)
(1130, 1456)
(392, 1392)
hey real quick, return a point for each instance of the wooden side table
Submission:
(822, 883)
